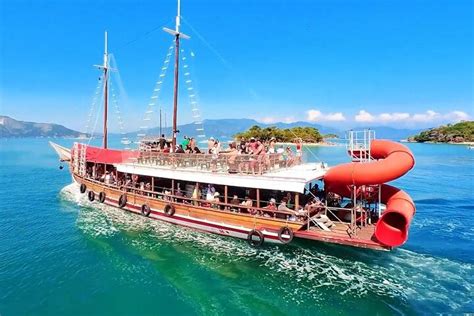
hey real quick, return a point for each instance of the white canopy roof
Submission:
(293, 179)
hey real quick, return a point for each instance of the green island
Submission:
(451, 133)
(330, 136)
(307, 134)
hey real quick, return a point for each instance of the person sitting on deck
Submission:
(247, 203)
(216, 200)
(270, 208)
(179, 149)
(234, 202)
(283, 208)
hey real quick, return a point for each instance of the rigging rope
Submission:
(156, 93)
(193, 99)
(97, 92)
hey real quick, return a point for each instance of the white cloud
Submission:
(457, 116)
(289, 119)
(268, 120)
(428, 116)
(318, 116)
(394, 117)
(364, 116)
(271, 119)
(403, 117)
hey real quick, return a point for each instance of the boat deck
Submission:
(292, 178)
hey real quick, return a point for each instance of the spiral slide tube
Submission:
(392, 160)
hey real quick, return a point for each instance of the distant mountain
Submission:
(12, 128)
(227, 128)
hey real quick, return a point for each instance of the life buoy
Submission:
(122, 201)
(102, 197)
(285, 230)
(83, 188)
(169, 210)
(146, 210)
(91, 196)
(255, 238)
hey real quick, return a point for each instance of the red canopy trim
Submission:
(110, 156)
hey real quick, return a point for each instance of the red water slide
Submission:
(391, 161)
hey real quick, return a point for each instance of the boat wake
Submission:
(299, 274)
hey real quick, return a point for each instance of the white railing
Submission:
(358, 146)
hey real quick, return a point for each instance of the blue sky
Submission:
(336, 62)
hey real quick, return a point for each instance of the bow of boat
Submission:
(63, 152)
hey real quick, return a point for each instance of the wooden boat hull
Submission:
(204, 219)
(224, 222)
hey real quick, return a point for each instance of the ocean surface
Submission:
(62, 255)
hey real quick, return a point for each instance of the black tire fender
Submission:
(255, 233)
(146, 210)
(122, 201)
(285, 230)
(169, 210)
(91, 196)
(83, 188)
(102, 197)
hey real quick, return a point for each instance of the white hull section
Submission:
(63, 152)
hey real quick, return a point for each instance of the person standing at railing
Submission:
(215, 155)
(162, 142)
(210, 144)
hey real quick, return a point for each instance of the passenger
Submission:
(148, 186)
(162, 142)
(247, 203)
(196, 194)
(216, 201)
(215, 155)
(234, 202)
(271, 145)
(167, 195)
(289, 157)
(299, 150)
(232, 160)
(210, 193)
(210, 144)
(242, 145)
(185, 142)
(179, 149)
(284, 208)
(289, 200)
(271, 207)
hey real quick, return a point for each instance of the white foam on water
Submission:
(402, 274)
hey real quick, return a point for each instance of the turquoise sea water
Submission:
(61, 255)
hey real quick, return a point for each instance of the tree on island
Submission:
(307, 134)
(451, 133)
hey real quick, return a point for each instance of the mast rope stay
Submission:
(95, 98)
(155, 95)
(193, 98)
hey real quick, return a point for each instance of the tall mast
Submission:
(106, 89)
(105, 67)
(176, 33)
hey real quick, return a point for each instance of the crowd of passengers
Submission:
(247, 155)
(278, 204)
